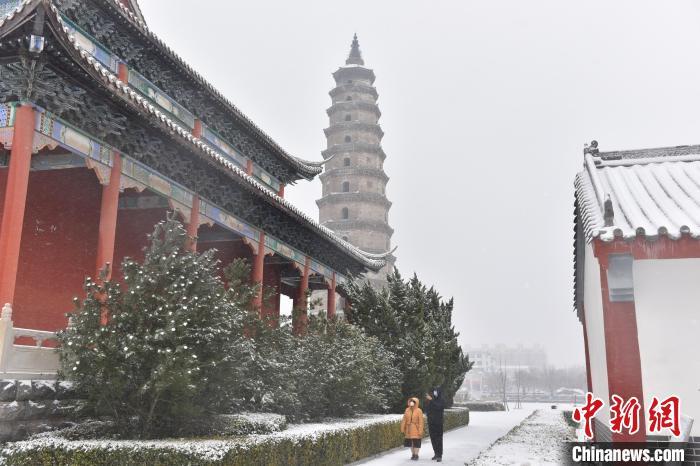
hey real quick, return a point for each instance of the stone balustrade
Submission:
(25, 361)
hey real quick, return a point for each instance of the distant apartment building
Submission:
(492, 359)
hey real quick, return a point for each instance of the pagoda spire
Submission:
(355, 57)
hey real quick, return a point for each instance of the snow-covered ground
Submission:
(463, 444)
(536, 442)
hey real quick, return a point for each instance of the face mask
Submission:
(412, 403)
(435, 393)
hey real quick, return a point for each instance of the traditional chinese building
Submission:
(637, 270)
(354, 202)
(104, 129)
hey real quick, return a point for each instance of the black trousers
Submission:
(435, 432)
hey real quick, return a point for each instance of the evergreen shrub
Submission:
(414, 324)
(162, 349)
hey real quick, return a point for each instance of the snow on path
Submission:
(463, 444)
(538, 441)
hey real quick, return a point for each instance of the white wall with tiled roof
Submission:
(667, 306)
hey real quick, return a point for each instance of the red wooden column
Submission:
(197, 130)
(346, 308)
(108, 218)
(249, 167)
(271, 305)
(621, 348)
(300, 313)
(280, 192)
(193, 225)
(331, 298)
(15, 201)
(258, 272)
(123, 73)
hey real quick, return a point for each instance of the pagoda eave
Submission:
(360, 224)
(353, 147)
(354, 71)
(346, 126)
(345, 172)
(349, 197)
(346, 106)
(354, 87)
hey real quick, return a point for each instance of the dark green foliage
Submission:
(172, 348)
(332, 370)
(415, 325)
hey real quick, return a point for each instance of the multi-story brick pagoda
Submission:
(354, 202)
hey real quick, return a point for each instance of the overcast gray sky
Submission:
(486, 107)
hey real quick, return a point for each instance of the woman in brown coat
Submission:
(412, 427)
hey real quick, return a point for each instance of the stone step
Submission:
(29, 407)
(34, 410)
(35, 390)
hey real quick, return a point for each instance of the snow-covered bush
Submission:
(246, 424)
(327, 444)
(455, 417)
(87, 429)
(332, 370)
(164, 349)
(342, 371)
(217, 425)
(484, 405)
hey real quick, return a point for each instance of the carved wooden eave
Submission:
(125, 119)
(139, 47)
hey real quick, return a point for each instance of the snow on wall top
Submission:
(647, 193)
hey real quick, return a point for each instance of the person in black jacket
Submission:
(435, 410)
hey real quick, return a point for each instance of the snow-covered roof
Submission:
(640, 193)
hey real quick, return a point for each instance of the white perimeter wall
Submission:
(593, 306)
(667, 303)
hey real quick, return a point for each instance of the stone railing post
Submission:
(7, 337)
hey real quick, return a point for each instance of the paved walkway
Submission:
(463, 444)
